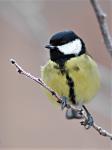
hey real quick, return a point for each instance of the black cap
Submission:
(64, 37)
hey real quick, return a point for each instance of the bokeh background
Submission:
(27, 119)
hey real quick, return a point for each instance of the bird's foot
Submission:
(64, 102)
(71, 113)
(88, 122)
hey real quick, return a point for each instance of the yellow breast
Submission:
(83, 71)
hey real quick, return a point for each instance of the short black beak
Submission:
(49, 47)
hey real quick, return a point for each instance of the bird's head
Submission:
(65, 45)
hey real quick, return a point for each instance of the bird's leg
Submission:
(71, 113)
(88, 122)
(63, 102)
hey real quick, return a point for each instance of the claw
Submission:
(89, 121)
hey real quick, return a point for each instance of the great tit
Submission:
(70, 71)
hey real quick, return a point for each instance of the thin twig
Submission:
(102, 131)
(101, 17)
(58, 98)
(38, 80)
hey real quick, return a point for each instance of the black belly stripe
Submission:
(69, 82)
(71, 89)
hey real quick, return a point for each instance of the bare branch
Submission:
(102, 131)
(101, 17)
(58, 98)
(38, 80)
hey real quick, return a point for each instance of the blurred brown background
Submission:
(27, 119)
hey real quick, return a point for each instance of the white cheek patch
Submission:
(73, 47)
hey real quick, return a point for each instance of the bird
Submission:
(71, 71)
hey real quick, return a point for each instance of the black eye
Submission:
(63, 42)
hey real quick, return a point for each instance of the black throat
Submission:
(59, 58)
